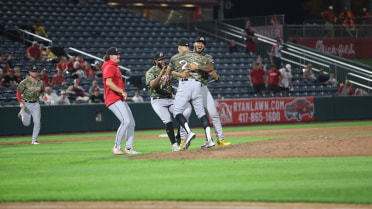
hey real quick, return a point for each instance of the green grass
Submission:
(87, 170)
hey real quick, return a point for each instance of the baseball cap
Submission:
(277, 41)
(330, 7)
(288, 66)
(248, 22)
(183, 42)
(112, 51)
(76, 81)
(365, 9)
(96, 89)
(34, 69)
(159, 56)
(63, 92)
(11, 70)
(96, 62)
(201, 39)
(34, 42)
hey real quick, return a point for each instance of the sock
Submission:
(208, 133)
(170, 132)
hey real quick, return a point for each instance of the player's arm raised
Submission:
(115, 88)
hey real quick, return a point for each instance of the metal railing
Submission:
(100, 59)
(37, 36)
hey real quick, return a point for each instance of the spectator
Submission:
(345, 89)
(94, 85)
(322, 78)
(77, 71)
(2, 62)
(308, 73)
(81, 60)
(63, 98)
(272, 80)
(360, 92)
(50, 95)
(34, 52)
(257, 78)
(274, 20)
(9, 60)
(58, 79)
(232, 47)
(10, 79)
(62, 64)
(77, 93)
(70, 65)
(96, 97)
(26, 38)
(97, 69)
(17, 73)
(276, 54)
(88, 70)
(285, 79)
(39, 30)
(365, 17)
(49, 55)
(332, 80)
(137, 97)
(329, 19)
(44, 77)
(250, 38)
(347, 17)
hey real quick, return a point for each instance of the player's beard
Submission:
(197, 50)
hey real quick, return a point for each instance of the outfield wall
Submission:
(96, 117)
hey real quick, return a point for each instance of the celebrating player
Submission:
(28, 93)
(161, 94)
(208, 101)
(189, 90)
(115, 100)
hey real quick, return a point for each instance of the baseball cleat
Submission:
(19, 115)
(181, 144)
(35, 142)
(221, 142)
(190, 136)
(175, 147)
(117, 151)
(131, 151)
(208, 143)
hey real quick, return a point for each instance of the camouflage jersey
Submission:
(179, 61)
(205, 74)
(29, 90)
(164, 89)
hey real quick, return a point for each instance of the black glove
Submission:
(214, 80)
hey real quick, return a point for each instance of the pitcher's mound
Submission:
(304, 146)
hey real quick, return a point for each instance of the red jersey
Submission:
(274, 76)
(89, 72)
(57, 80)
(35, 52)
(329, 16)
(62, 66)
(110, 69)
(258, 76)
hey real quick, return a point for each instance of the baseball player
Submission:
(208, 102)
(28, 92)
(189, 90)
(115, 100)
(161, 93)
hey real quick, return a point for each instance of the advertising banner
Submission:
(271, 31)
(262, 110)
(346, 48)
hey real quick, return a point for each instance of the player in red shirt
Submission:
(272, 80)
(258, 74)
(115, 100)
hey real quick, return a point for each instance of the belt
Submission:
(30, 101)
(188, 79)
(161, 97)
